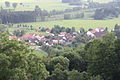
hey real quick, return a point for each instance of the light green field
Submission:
(43, 4)
(11, 30)
(29, 5)
(86, 24)
(40, 53)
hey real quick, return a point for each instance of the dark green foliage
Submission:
(67, 16)
(74, 75)
(7, 4)
(63, 61)
(104, 13)
(81, 38)
(58, 29)
(117, 30)
(103, 57)
(58, 73)
(14, 5)
(17, 62)
(51, 51)
(79, 15)
(2, 28)
(19, 33)
(40, 44)
(77, 62)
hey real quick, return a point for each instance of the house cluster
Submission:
(98, 32)
(49, 40)
(61, 38)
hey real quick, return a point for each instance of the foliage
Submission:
(17, 63)
(63, 61)
(103, 13)
(2, 28)
(7, 4)
(19, 33)
(77, 62)
(74, 75)
(117, 30)
(14, 5)
(58, 74)
(103, 57)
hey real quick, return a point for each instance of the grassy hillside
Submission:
(29, 5)
(40, 53)
(78, 23)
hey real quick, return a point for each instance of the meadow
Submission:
(86, 24)
(40, 54)
(27, 5)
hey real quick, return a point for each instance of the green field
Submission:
(43, 4)
(78, 23)
(40, 53)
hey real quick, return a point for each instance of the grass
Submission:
(44, 4)
(40, 53)
(86, 24)
(29, 5)
(12, 29)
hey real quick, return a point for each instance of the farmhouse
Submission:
(12, 37)
(98, 32)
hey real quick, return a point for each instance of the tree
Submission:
(14, 5)
(14, 53)
(76, 61)
(79, 15)
(74, 75)
(67, 16)
(17, 63)
(117, 30)
(99, 15)
(7, 4)
(36, 69)
(38, 11)
(19, 33)
(58, 73)
(103, 57)
(63, 61)
(73, 29)
(2, 28)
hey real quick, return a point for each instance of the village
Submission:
(51, 39)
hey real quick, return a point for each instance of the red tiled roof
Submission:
(12, 37)
(63, 33)
(26, 37)
(30, 36)
(93, 31)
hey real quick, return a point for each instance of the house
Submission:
(48, 31)
(99, 29)
(12, 37)
(62, 34)
(98, 32)
(51, 34)
(91, 33)
(55, 41)
(49, 43)
(39, 36)
(26, 37)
